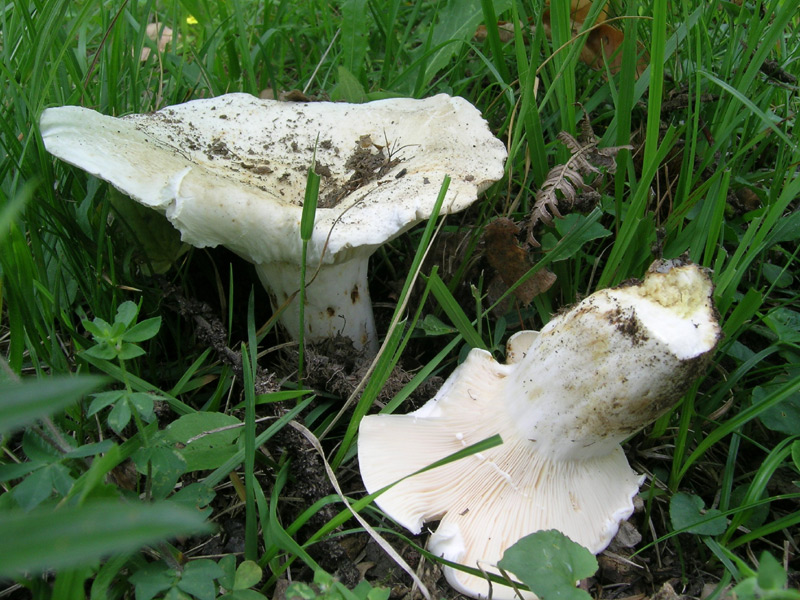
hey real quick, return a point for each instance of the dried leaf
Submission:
(578, 10)
(565, 183)
(505, 31)
(161, 34)
(603, 43)
(511, 261)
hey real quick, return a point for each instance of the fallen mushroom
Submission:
(232, 170)
(562, 404)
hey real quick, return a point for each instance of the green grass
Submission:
(713, 173)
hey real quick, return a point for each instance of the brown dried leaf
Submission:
(505, 31)
(591, 158)
(603, 43)
(578, 9)
(159, 33)
(667, 592)
(563, 179)
(565, 184)
(511, 261)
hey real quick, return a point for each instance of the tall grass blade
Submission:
(71, 536)
(25, 401)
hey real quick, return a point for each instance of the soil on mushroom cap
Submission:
(368, 163)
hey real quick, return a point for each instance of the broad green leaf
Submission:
(771, 575)
(303, 591)
(143, 331)
(433, 325)
(34, 489)
(550, 564)
(192, 425)
(787, 229)
(784, 416)
(166, 464)
(687, 514)
(785, 323)
(228, 565)
(778, 276)
(366, 592)
(17, 470)
(26, 401)
(175, 593)
(456, 25)
(198, 578)
(348, 88)
(101, 350)
(356, 22)
(379, 594)
(129, 351)
(152, 579)
(71, 536)
(99, 328)
(143, 403)
(572, 221)
(90, 449)
(196, 495)
(104, 399)
(126, 313)
(248, 574)
(746, 590)
(588, 230)
(62, 480)
(116, 331)
(119, 416)
(211, 450)
(796, 455)
(37, 449)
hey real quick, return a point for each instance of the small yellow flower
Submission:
(191, 20)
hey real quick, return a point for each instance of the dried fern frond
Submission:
(561, 178)
(565, 183)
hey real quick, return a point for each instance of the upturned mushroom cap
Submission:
(231, 170)
(562, 404)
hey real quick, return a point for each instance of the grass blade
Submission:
(26, 401)
(59, 539)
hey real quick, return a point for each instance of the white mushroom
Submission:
(562, 404)
(232, 170)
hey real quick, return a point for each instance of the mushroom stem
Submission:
(337, 300)
(616, 362)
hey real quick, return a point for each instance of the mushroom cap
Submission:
(562, 404)
(487, 501)
(231, 170)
